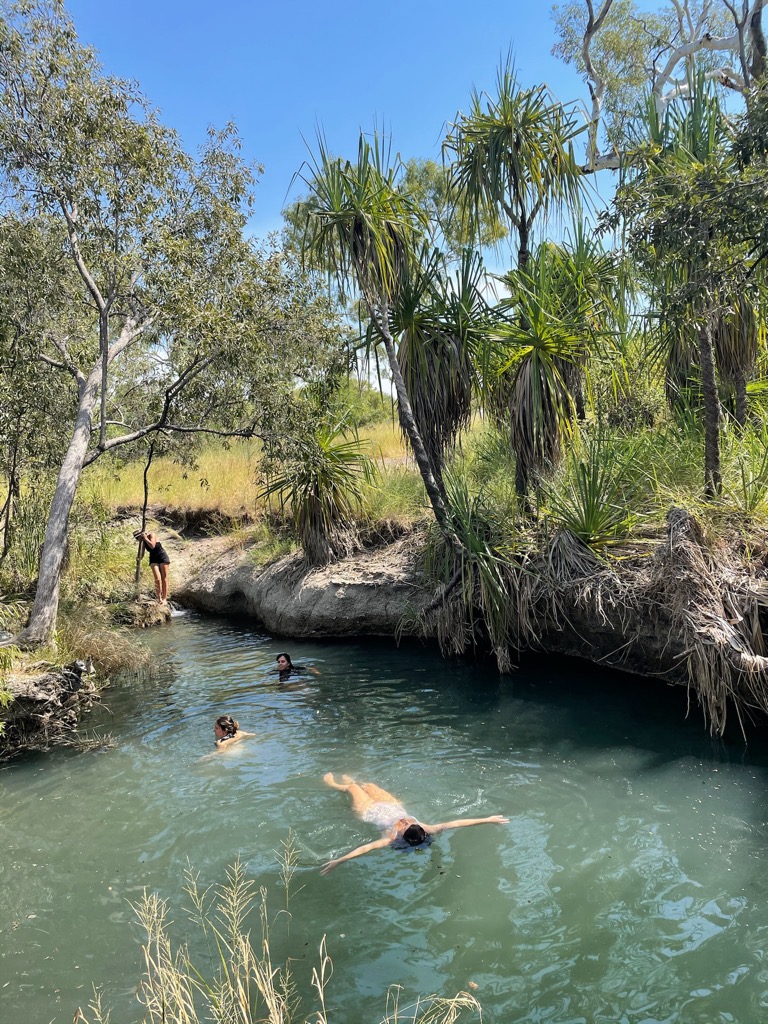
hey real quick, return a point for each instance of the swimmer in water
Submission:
(227, 731)
(377, 807)
(285, 668)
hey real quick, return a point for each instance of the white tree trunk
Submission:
(42, 619)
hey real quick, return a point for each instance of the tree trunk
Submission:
(140, 552)
(408, 420)
(42, 620)
(712, 478)
(13, 492)
(523, 254)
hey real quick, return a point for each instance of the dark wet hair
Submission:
(286, 655)
(415, 834)
(228, 724)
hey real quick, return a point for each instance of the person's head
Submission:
(284, 663)
(225, 727)
(415, 834)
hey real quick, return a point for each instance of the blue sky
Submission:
(282, 70)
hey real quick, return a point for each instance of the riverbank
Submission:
(680, 606)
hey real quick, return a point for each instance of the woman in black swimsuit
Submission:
(227, 731)
(285, 668)
(158, 562)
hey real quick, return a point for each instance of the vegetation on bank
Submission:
(558, 416)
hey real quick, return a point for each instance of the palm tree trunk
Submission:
(42, 619)
(434, 493)
(713, 482)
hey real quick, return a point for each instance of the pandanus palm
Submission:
(537, 345)
(561, 306)
(359, 224)
(512, 157)
(513, 160)
(674, 204)
(737, 337)
(439, 320)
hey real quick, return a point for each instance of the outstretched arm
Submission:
(377, 844)
(494, 819)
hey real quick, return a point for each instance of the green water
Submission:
(629, 884)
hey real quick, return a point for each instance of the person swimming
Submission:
(285, 667)
(227, 731)
(376, 806)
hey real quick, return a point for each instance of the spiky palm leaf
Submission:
(357, 222)
(323, 488)
(512, 156)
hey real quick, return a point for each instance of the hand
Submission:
(497, 819)
(328, 867)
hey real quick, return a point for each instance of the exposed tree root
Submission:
(688, 612)
(46, 709)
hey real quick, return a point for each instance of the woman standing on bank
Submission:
(158, 562)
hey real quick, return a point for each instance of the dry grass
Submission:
(224, 479)
(243, 984)
(86, 631)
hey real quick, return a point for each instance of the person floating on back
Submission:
(377, 807)
(158, 563)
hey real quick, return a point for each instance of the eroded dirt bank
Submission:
(682, 608)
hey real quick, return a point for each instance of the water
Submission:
(629, 884)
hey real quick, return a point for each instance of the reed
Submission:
(241, 982)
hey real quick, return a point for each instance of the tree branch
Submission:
(70, 216)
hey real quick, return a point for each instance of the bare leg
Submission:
(362, 794)
(164, 583)
(378, 794)
(158, 583)
(359, 797)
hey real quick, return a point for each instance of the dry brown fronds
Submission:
(690, 612)
(713, 601)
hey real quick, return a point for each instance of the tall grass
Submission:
(223, 477)
(240, 981)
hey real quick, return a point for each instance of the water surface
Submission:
(629, 884)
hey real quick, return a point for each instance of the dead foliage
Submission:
(45, 709)
(686, 609)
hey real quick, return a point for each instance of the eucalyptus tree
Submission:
(167, 319)
(624, 50)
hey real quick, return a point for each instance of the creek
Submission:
(629, 884)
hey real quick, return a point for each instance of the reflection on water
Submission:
(628, 885)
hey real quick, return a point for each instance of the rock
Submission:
(367, 594)
(142, 613)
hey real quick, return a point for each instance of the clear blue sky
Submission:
(280, 70)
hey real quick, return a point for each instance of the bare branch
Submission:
(70, 216)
